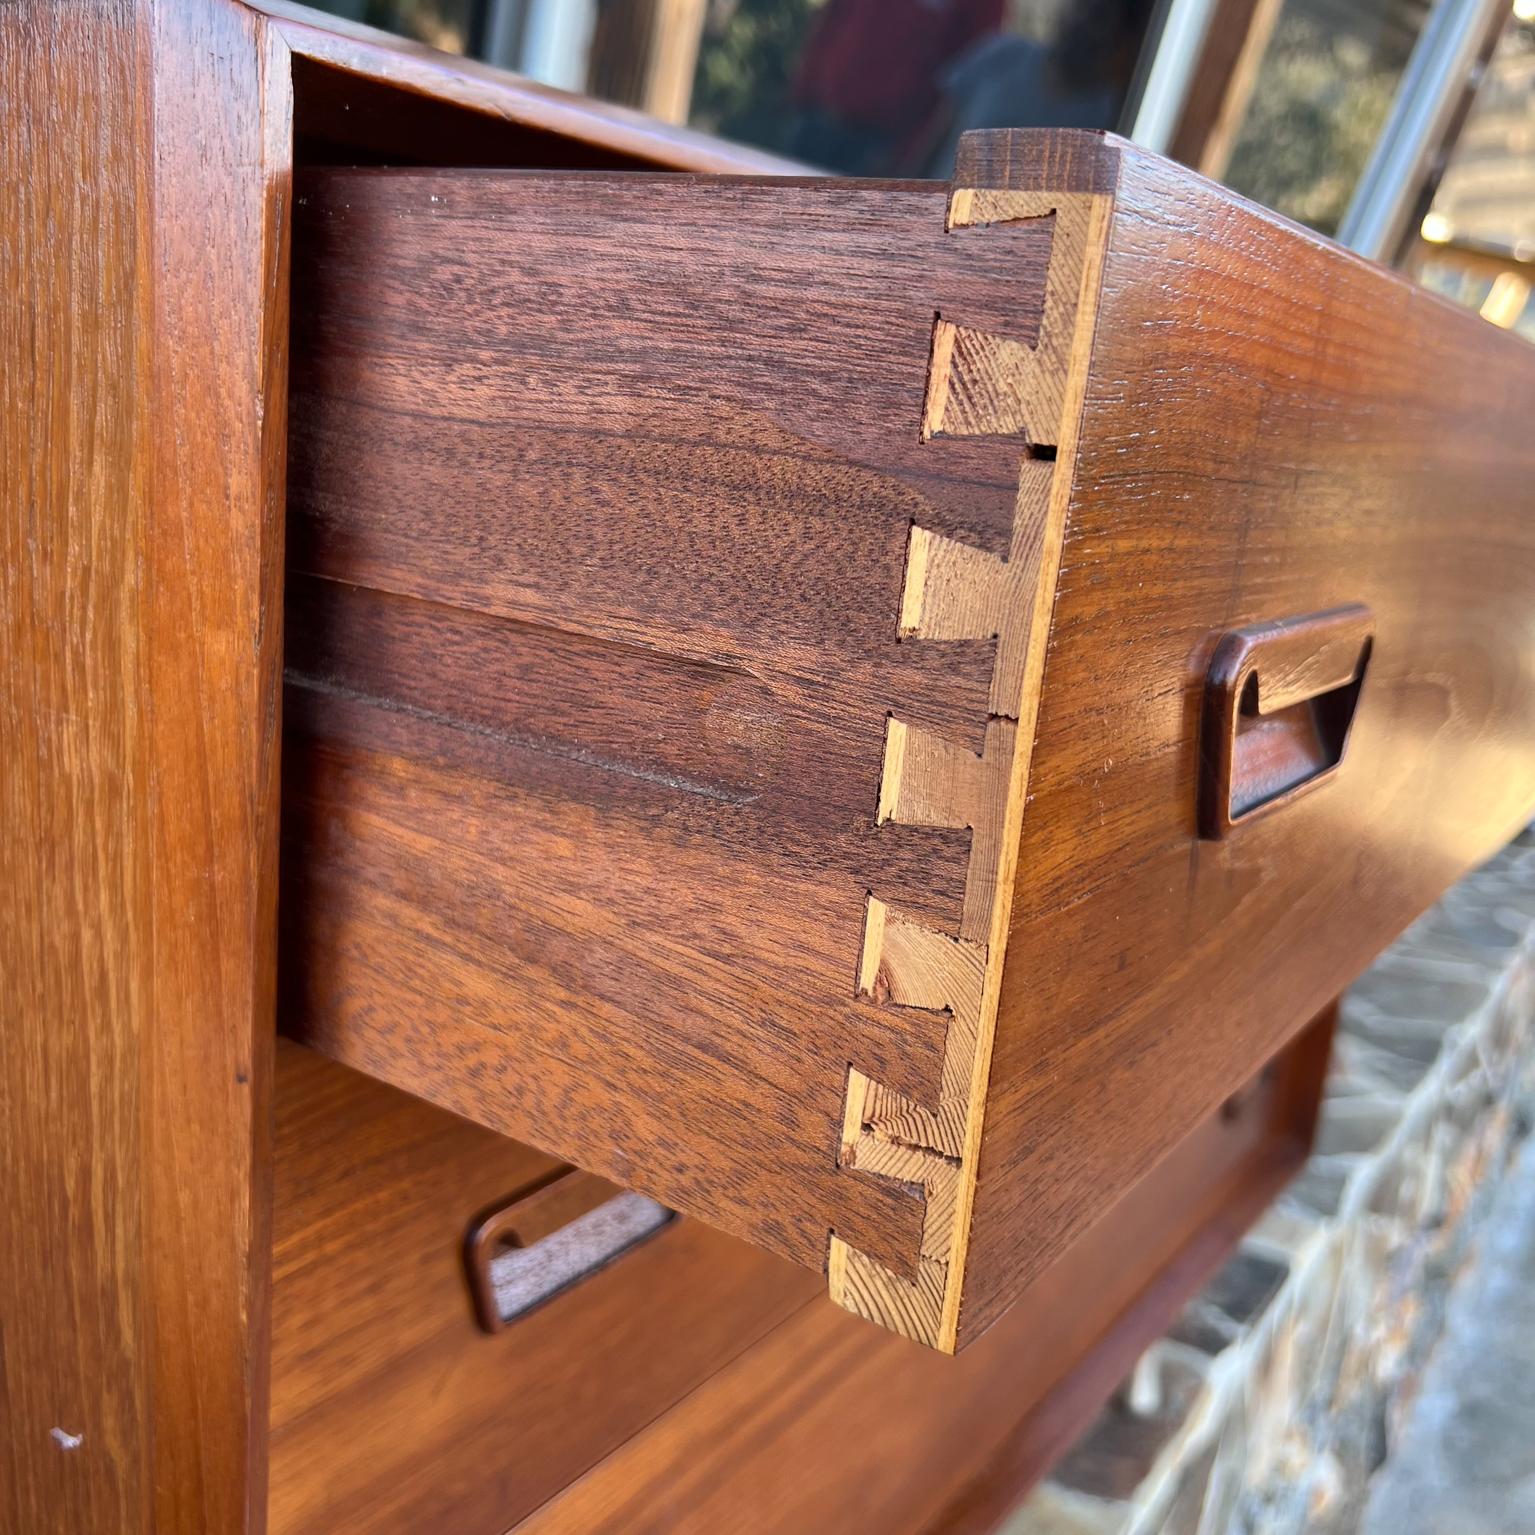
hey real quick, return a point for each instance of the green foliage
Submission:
(746, 64)
(1317, 106)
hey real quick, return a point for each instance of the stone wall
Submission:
(1282, 1388)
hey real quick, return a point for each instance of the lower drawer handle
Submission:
(539, 1244)
(1279, 703)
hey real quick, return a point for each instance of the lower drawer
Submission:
(392, 1410)
(693, 1383)
(824, 1426)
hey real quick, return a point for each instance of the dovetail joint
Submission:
(978, 384)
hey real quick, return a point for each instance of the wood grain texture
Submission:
(691, 580)
(980, 384)
(826, 1425)
(73, 1305)
(222, 204)
(143, 362)
(1262, 437)
(391, 1410)
(603, 580)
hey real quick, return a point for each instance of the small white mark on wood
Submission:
(65, 1440)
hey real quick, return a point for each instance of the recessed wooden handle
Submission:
(536, 1246)
(1279, 703)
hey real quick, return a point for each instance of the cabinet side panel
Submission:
(142, 348)
(73, 794)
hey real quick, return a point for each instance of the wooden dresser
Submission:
(801, 763)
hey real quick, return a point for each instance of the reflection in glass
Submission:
(1477, 242)
(1487, 198)
(1319, 99)
(865, 87)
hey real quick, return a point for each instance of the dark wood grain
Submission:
(687, 574)
(391, 1410)
(143, 364)
(1272, 427)
(595, 574)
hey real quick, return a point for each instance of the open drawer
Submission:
(864, 710)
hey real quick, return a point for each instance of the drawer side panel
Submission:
(603, 597)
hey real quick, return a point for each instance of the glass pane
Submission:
(866, 87)
(1487, 197)
(1318, 101)
(445, 24)
(1477, 242)
(885, 87)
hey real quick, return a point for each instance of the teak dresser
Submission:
(872, 719)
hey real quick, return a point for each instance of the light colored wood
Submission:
(979, 384)
(984, 384)
(674, 59)
(143, 340)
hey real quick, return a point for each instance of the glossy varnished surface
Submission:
(146, 148)
(694, 1383)
(142, 357)
(1273, 427)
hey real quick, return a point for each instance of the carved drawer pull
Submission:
(1279, 704)
(526, 1252)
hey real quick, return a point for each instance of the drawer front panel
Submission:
(392, 1410)
(1273, 429)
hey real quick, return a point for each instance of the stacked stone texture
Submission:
(1282, 1389)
